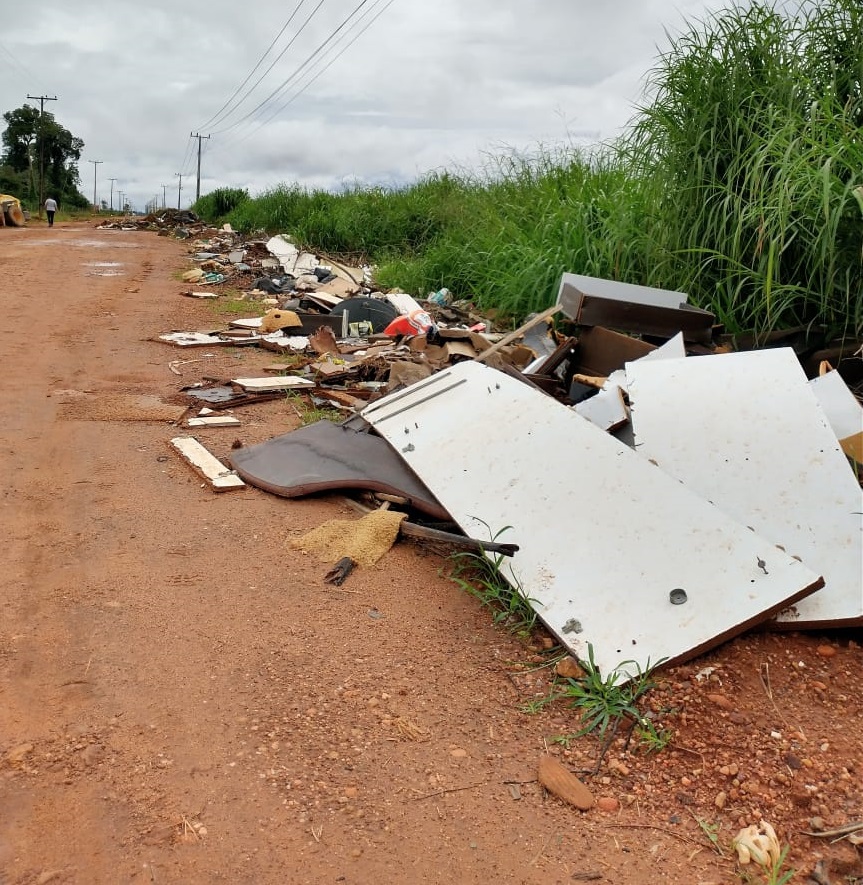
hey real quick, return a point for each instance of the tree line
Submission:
(29, 135)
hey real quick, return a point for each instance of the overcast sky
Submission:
(424, 85)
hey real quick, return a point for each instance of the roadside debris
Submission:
(574, 440)
(203, 462)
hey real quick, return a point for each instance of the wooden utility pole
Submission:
(164, 197)
(179, 186)
(42, 100)
(198, 186)
(112, 180)
(95, 167)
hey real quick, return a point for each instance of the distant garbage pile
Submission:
(664, 490)
(179, 223)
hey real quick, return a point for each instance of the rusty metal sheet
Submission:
(608, 542)
(326, 456)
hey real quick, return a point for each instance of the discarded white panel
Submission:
(608, 542)
(194, 339)
(279, 382)
(246, 323)
(201, 294)
(214, 421)
(606, 409)
(745, 431)
(843, 411)
(221, 478)
(674, 348)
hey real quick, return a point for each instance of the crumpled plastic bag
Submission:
(757, 843)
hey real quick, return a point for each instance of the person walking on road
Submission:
(50, 209)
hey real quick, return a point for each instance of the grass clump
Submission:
(481, 577)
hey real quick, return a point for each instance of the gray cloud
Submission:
(427, 86)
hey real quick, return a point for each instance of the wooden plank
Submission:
(843, 411)
(214, 421)
(517, 333)
(605, 536)
(284, 382)
(745, 431)
(203, 462)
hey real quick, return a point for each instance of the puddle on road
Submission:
(104, 268)
(83, 244)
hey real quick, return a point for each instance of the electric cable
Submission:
(288, 80)
(217, 116)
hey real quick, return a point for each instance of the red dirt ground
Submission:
(183, 700)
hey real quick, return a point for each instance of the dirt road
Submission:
(182, 700)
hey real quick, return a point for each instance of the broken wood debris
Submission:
(207, 465)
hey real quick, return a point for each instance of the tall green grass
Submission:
(739, 181)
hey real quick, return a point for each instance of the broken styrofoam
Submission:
(609, 544)
(745, 431)
(194, 339)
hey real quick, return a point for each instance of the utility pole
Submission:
(179, 186)
(120, 207)
(198, 187)
(95, 167)
(112, 180)
(164, 198)
(42, 100)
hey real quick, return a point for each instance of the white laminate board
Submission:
(219, 477)
(842, 408)
(214, 421)
(606, 409)
(280, 382)
(745, 431)
(604, 535)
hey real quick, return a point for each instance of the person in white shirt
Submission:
(50, 209)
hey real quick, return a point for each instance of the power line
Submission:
(257, 107)
(332, 61)
(217, 116)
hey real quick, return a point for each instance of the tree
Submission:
(20, 157)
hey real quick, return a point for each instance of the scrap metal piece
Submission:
(604, 541)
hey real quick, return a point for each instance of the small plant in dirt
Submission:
(308, 413)
(605, 701)
(481, 576)
(234, 305)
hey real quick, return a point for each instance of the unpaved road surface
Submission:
(183, 700)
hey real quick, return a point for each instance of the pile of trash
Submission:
(179, 223)
(664, 491)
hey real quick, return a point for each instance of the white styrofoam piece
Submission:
(604, 535)
(270, 382)
(606, 409)
(841, 407)
(221, 478)
(745, 431)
